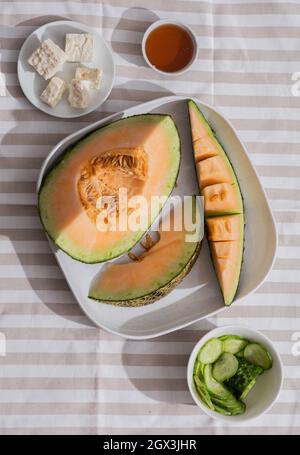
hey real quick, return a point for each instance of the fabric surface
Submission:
(62, 375)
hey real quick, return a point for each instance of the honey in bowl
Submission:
(169, 48)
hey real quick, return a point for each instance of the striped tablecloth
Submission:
(60, 374)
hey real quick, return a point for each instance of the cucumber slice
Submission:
(233, 343)
(221, 410)
(211, 350)
(257, 355)
(225, 367)
(240, 354)
(231, 405)
(197, 369)
(248, 388)
(213, 386)
(203, 393)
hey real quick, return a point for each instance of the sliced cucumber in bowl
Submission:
(233, 343)
(211, 351)
(258, 355)
(225, 367)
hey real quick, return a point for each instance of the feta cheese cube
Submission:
(79, 47)
(54, 91)
(78, 94)
(47, 59)
(93, 75)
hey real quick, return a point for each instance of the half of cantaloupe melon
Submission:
(140, 154)
(157, 271)
(223, 204)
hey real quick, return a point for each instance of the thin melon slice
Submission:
(140, 154)
(221, 199)
(152, 275)
(214, 170)
(224, 228)
(227, 259)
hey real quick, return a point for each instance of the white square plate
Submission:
(198, 295)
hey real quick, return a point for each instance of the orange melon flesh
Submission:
(224, 228)
(227, 259)
(214, 170)
(66, 216)
(221, 198)
(147, 277)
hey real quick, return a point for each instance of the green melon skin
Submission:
(154, 295)
(169, 129)
(230, 295)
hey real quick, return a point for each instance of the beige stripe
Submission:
(20, 163)
(287, 217)
(143, 384)
(89, 358)
(93, 333)
(283, 194)
(279, 288)
(164, 384)
(22, 234)
(257, 101)
(18, 210)
(41, 309)
(252, 311)
(289, 240)
(275, 124)
(246, 8)
(275, 148)
(278, 171)
(51, 431)
(30, 138)
(30, 115)
(17, 187)
(287, 264)
(38, 284)
(122, 409)
(200, 30)
(27, 259)
(199, 430)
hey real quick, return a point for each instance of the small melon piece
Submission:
(227, 259)
(222, 228)
(139, 154)
(205, 143)
(155, 273)
(222, 198)
(214, 170)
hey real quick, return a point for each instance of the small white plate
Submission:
(33, 84)
(198, 296)
(268, 385)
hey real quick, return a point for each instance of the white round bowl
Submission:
(267, 388)
(179, 24)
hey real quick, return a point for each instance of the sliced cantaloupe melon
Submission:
(223, 204)
(224, 228)
(214, 170)
(152, 275)
(140, 154)
(220, 199)
(227, 259)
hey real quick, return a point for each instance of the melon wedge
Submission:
(140, 154)
(223, 204)
(152, 275)
(227, 259)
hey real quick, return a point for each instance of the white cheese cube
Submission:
(78, 94)
(79, 47)
(93, 75)
(54, 91)
(47, 59)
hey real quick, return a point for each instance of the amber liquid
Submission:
(169, 48)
